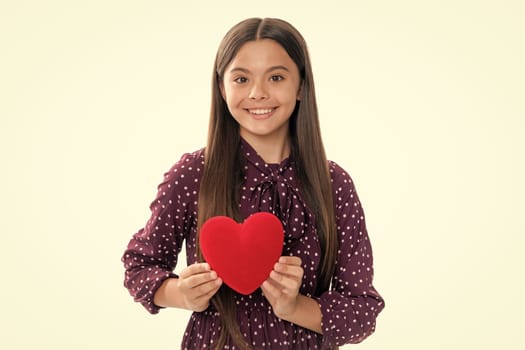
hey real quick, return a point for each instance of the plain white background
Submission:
(421, 101)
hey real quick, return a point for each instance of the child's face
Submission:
(261, 88)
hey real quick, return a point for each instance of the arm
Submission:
(191, 291)
(347, 312)
(152, 253)
(350, 308)
(282, 291)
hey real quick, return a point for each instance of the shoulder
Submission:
(186, 172)
(339, 176)
(343, 187)
(177, 194)
(188, 164)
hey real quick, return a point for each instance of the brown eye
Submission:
(240, 80)
(276, 78)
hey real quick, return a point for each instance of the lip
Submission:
(261, 113)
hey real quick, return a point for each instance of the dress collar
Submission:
(255, 158)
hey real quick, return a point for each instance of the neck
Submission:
(271, 149)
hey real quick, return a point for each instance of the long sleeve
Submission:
(151, 255)
(349, 309)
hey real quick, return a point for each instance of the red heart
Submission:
(243, 255)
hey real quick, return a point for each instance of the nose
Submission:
(258, 91)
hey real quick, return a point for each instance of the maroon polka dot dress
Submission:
(349, 308)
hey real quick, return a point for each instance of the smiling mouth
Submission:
(261, 111)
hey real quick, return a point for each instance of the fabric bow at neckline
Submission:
(273, 189)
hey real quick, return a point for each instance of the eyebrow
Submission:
(272, 68)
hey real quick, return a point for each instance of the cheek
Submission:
(232, 97)
(287, 94)
(289, 97)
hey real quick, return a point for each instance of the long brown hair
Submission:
(222, 175)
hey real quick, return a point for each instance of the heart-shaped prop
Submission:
(243, 255)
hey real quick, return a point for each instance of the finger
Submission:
(291, 270)
(194, 269)
(199, 298)
(270, 282)
(207, 290)
(200, 279)
(218, 284)
(270, 291)
(285, 282)
(290, 260)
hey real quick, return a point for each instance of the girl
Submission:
(264, 153)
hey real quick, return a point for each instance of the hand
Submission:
(197, 283)
(282, 287)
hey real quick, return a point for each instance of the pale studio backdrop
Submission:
(421, 101)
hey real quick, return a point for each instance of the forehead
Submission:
(261, 54)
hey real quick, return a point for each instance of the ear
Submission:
(300, 92)
(221, 87)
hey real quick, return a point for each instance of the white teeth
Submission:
(261, 111)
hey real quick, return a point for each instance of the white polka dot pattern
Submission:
(349, 308)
